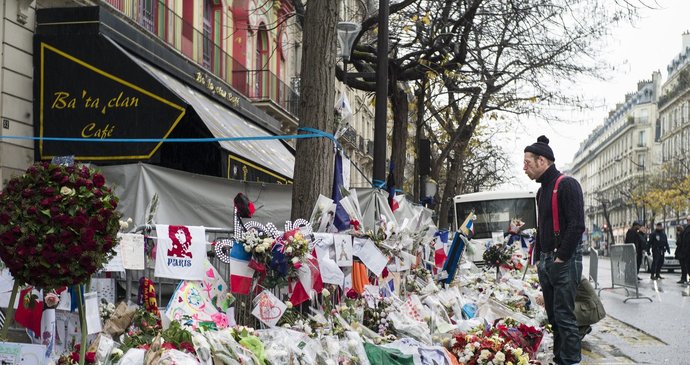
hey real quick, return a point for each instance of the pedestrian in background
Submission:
(683, 252)
(560, 263)
(658, 244)
(633, 236)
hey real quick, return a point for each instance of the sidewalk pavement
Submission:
(640, 331)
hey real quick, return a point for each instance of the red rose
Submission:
(90, 357)
(27, 193)
(7, 238)
(4, 218)
(168, 346)
(352, 294)
(47, 202)
(32, 211)
(187, 347)
(79, 221)
(75, 356)
(98, 180)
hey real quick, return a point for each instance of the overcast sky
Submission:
(636, 51)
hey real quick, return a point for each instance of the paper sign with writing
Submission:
(268, 308)
(132, 250)
(115, 263)
(370, 255)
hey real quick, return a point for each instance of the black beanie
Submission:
(541, 148)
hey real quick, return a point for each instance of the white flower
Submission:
(288, 304)
(500, 357)
(295, 260)
(247, 248)
(288, 250)
(67, 191)
(260, 249)
(484, 354)
(129, 221)
(123, 225)
(325, 293)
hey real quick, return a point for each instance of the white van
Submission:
(494, 211)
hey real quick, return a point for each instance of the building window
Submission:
(641, 139)
(261, 87)
(147, 13)
(644, 116)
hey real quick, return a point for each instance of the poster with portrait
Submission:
(180, 252)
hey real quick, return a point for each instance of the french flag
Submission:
(240, 272)
(440, 248)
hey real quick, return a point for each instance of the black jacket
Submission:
(633, 236)
(683, 248)
(658, 241)
(571, 214)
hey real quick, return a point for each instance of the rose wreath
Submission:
(58, 225)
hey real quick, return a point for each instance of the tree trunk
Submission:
(400, 133)
(446, 202)
(314, 156)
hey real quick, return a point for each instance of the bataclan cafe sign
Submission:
(95, 92)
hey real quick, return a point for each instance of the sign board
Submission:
(22, 354)
(90, 91)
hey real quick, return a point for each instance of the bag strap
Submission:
(554, 206)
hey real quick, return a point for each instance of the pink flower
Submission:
(51, 300)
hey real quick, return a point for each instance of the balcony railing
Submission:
(168, 26)
(263, 85)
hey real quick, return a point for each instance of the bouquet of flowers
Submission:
(478, 349)
(257, 243)
(58, 224)
(507, 342)
(497, 254)
(105, 310)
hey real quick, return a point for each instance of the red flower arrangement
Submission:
(507, 341)
(58, 224)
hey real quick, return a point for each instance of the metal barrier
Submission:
(594, 267)
(624, 270)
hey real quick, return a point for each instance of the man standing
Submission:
(634, 236)
(560, 265)
(658, 242)
(683, 252)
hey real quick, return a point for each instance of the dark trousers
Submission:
(684, 269)
(559, 283)
(657, 261)
(639, 258)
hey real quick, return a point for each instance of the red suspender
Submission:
(554, 206)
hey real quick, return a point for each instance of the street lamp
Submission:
(644, 186)
(430, 189)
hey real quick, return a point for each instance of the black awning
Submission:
(89, 88)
